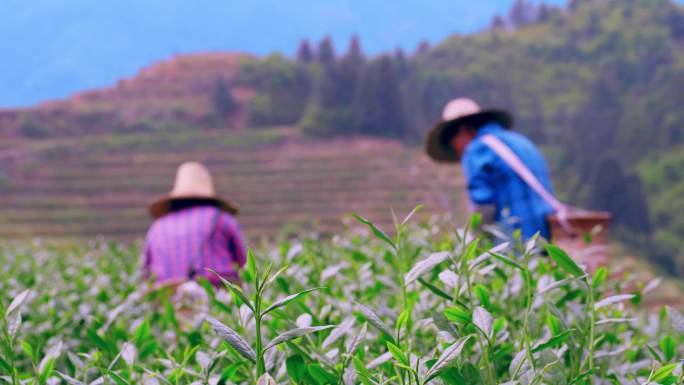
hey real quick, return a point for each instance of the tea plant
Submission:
(429, 304)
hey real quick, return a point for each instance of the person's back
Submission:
(476, 137)
(194, 230)
(493, 181)
(187, 242)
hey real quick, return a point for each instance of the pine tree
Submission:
(378, 106)
(401, 64)
(326, 52)
(522, 13)
(348, 71)
(423, 48)
(222, 100)
(354, 53)
(498, 23)
(544, 13)
(574, 4)
(304, 53)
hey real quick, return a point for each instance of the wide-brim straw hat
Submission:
(459, 112)
(193, 181)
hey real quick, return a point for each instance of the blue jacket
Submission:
(491, 181)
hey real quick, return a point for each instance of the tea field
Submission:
(421, 303)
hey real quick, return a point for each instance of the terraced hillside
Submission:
(101, 185)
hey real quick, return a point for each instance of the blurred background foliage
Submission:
(597, 84)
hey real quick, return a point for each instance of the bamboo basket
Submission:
(586, 240)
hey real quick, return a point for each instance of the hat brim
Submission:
(436, 145)
(162, 205)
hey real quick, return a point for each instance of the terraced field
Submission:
(281, 182)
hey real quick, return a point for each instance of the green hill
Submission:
(598, 85)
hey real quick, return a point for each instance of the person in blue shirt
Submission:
(494, 188)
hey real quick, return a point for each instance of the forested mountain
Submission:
(599, 85)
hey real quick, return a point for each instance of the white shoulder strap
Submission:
(514, 162)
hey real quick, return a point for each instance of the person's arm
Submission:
(478, 167)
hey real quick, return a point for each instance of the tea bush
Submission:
(429, 304)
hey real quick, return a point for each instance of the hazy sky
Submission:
(52, 48)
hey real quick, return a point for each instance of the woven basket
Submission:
(586, 240)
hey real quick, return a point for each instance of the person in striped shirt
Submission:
(194, 230)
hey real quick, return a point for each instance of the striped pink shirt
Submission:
(182, 237)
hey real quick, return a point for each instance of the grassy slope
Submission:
(101, 184)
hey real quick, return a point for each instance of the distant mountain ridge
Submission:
(53, 48)
(176, 93)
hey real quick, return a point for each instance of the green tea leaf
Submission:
(70, 380)
(664, 372)
(483, 320)
(599, 277)
(507, 261)
(322, 376)
(554, 324)
(118, 379)
(353, 344)
(482, 294)
(553, 342)
(233, 338)
(141, 334)
(475, 220)
(46, 371)
(471, 250)
(397, 353)
(378, 233)
(411, 214)
(677, 320)
(28, 349)
(654, 353)
(284, 301)
(458, 314)
(235, 290)
(582, 376)
(425, 265)
(361, 370)
(564, 261)
(266, 379)
(402, 319)
(613, 300)
(668, 346)
(373, 318)
(251, 266)
(451, 376)
(6, 368)
(296, 333)
(471, 374)
(448, 356)
(17, 302)
(435, 290)
(295, 367)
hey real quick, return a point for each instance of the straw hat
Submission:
(456, 113)
(193, 181)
